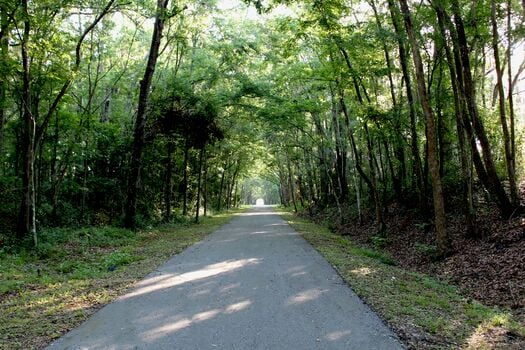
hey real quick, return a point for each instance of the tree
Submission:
(487, 169)
(507, 142)
(403, 58)
(323, 105)
(433, 160)
(7, 10)
(141, 117)
(33, 133)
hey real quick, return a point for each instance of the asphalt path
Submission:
(252, 284)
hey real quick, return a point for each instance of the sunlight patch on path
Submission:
(197, 318)
(305, 296)
(334, 336)
(163, 282)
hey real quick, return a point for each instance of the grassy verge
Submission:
(47, 292)
(424, 312)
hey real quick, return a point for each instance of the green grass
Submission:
(425, 312)
(50, 290)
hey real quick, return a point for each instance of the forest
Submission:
(397, 124)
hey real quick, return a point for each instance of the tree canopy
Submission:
(124, 113)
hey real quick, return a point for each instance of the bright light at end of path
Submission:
(259, 202)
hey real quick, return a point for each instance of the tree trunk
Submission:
(370, 181)
(291, 183)
(511, 174)
(221, 187)
(106, 107)
(281, 194)
(54, 169)
(134, 185)
(373, 179)
(443, 240)
(398, 179)
(302, 192)
(357, 185)
(32, 134)
(459, 109)
(403, 58)
(231, 186)
(167, 181)
(205, 190)
(441, 124)
(4, 54)
(340, 153)
(323, 170)
(235, 195)
(228, 194)
(185, 179)
(201, 157)
(85, 174)
(309, 180)
(26, 220)
(492, 182)
(514, 195)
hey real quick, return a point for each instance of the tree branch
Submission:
(40, 130)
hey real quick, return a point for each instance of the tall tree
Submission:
(6, 10)
(433, 158)
(462, 134)
(141, 117)
(403, 58)
(485, 167)
(509, 162)
(199, 184)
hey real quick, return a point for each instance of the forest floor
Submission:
(74, 272)
(488, 274)
(490, 269)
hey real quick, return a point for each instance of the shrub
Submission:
(116, 259)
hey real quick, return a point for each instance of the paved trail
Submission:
(253, 284)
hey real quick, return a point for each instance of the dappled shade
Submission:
(239, 289)
(396, 123)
